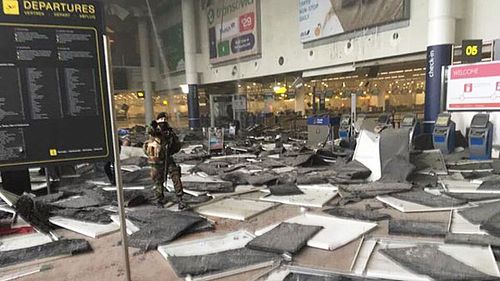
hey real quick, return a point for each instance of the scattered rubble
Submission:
(261, 173)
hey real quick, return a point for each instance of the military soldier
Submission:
(162, 144)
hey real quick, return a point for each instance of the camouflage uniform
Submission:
(158, 162)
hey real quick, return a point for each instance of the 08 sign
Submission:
(472, 51)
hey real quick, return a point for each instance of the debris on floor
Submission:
(269, 205)
(284, 238)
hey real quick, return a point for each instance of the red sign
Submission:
(474, 105)
(474, 87)
(247, 22)
(468, 88)
(475, 71)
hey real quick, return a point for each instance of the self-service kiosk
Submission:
(383, 122)
(480, 137)
(410, 122)
(443, 136)
(345, 127)
(319, 130)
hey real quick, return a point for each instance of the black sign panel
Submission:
(53, 83)
(472, 51)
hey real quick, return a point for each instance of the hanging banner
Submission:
(233, 29)
(54, 105)
(324, 18)
(474, 87)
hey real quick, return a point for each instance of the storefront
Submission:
(129, 106)
(395, 88)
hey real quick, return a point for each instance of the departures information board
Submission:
(54, 104)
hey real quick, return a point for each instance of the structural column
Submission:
(441, 37)
(299, 101)
(143, 32)
(189, 34)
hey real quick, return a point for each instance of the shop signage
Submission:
(474, 87)
(472, 51)
(233, 29)
(240, 103)
(324, 18)
(54, 105)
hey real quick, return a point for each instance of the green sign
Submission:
(224, 48)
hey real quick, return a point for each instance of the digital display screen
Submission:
(408, 120)
(383, 119)
(442, 121)
(480, 121)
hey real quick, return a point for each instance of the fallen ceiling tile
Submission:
(159, 226)
(77, 202)
(53, 249)
(352, 170)
(93, 215)
(15, 275)
(315, 196)
(364, 255)
(208, 245)
(430, 162)
(480, 212)
(470, 166)
(261, 178)
(417, 228)
(113, 188)
(473, 196)
(199, 183)
(431, 261)
(472, 239)
(284, 170)
(284, 238)
(465, 186)
(492, 225)
(410, 207)
(395, 155)
(15, 242)
(371, 263)
(131, 227)
(460, 225)
(428, 199)
(372, 189)
(285, 190)
(231, 208)
(367, 152)
(329, 238)
(233, 156)
(278, 274)
(8, 197)
(92, 230)
(357, 214)
(221, 262)
(292, 276)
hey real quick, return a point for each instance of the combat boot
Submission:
(181, 204)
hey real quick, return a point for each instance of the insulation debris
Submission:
(57, 248)
(284, 238)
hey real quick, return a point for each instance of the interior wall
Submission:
(478, 19)
(280, 37)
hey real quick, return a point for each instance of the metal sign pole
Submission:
(354, 106)
(117, 166)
